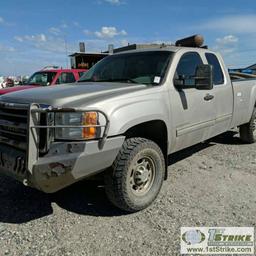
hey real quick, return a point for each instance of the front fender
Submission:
(129, 115)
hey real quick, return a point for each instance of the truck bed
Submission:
(244, 92)
(240, 76)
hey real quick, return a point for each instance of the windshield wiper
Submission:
(128, 80)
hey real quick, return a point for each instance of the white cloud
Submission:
(55, 45)
(232, 24)
(227, 44)
(228, 47)
(109, 32)
(87, 32)
(31, 38)
(76, 24)
(42, 38)
(229, 39)
(19, 39)
(46, 43)
(36, 38)
(54, 31)
(64, 25)
(4, 48)
(4, 22)
(114, 2)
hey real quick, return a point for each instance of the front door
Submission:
(193, 110)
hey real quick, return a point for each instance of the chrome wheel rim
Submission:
(142, 175)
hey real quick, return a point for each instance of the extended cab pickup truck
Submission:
(124, 117)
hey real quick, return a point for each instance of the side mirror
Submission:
(183, 81)
(204, 77)
(179, 81)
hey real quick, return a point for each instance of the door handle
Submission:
(208, 97)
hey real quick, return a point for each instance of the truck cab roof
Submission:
(171, 48)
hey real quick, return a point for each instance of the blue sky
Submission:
(33, 33)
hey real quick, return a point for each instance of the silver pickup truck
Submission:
(124, 117)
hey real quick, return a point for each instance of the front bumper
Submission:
(66, 163)
(38, 160)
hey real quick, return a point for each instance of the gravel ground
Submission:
(211, 184)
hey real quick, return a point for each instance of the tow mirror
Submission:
(179, 81)
(204, 77)
(184, 82)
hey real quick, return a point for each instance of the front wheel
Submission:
(248, 131)
(135, 178)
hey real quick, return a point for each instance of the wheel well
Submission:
(155, 130)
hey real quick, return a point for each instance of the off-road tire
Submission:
(117, 183)
(248, 131)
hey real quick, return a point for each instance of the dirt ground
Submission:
(211, 184)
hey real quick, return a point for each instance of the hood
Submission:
(15, 89)
(72, 95)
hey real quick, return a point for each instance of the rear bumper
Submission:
(68, 162)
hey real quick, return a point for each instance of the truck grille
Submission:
(14, 124)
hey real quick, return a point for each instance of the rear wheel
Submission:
(248, 131)
(136, 176)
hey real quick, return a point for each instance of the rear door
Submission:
(223, 96)
(193, 111)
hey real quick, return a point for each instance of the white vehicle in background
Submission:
(1, 81)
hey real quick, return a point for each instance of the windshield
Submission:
(41, 78)
(142, 68)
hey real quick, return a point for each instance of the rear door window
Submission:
(66, 77)
(218, 76)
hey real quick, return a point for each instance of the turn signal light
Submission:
(90, 118)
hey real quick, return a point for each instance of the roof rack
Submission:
(196, 41)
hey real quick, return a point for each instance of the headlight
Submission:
(75, 122)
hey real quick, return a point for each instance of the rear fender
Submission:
(252, 101)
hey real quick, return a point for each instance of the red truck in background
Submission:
(47, 77)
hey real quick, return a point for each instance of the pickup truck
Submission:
(123, 118)
(47, 77)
